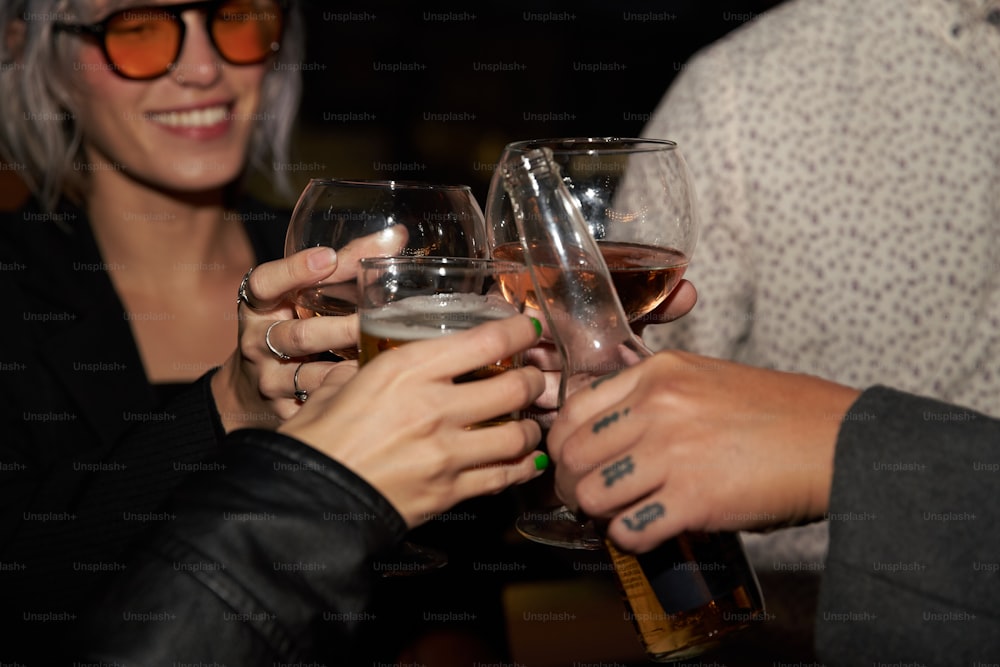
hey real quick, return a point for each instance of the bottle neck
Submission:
(571, 279)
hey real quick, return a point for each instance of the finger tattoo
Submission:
(645, 516)
(617, 470)
(596, 383)
(607, 421)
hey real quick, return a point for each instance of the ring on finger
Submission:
(300, 394)
(267, 339)
(244, 294)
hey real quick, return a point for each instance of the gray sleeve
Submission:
(912, 572)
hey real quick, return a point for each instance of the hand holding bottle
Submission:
(683, 442)
(693, 590)
(545, 356)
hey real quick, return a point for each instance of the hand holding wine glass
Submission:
(255, 386)
(365, 218)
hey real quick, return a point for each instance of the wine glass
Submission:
(377, 218)
(638, 201)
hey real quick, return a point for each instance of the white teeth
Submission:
(194, 118)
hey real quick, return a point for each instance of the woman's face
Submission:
(185, 131)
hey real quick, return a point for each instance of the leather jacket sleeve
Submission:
(264, 557)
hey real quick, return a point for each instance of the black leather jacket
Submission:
(88, 446)
(263, 557)
(267, 555)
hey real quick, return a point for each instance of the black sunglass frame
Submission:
(99, 32)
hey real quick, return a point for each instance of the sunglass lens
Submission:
(142, 43)
(247, 31)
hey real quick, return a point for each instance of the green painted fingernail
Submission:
(538, 332)
(542, 460)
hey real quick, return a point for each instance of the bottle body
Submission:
(689, 593)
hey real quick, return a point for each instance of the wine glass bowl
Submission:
(377, 218)
(637, 199)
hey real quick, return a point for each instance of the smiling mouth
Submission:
(205, 117)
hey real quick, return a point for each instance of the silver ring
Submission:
(267, 339)
(244, 293)
(300, 394)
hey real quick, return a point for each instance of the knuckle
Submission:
(575, 460)
(528, 384)
(532, 433)
(519, 436)
(257, 283)
(502, 477)
(492, 339)
(268, 385)
(439, 461)
(297, 334)
(588, 499)
(627, 539)
(285, 411)
(247, 346)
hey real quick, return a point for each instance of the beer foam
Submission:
(428, 316)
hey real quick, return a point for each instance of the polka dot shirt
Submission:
(846, 155)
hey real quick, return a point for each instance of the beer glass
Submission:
(369, 218)
(407, 299)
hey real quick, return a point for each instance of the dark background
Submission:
(588, 68)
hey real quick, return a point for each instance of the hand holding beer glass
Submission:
(407, 299)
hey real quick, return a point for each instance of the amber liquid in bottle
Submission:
(689, 593)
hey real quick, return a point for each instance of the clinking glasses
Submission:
(145, 42)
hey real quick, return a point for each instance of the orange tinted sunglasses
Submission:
(145, 42)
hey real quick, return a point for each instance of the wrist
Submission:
(837, 402)
(221, 385)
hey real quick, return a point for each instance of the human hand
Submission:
(256, 387)
(400, 422)
(677, 304)
(682, 442)
(545, 356)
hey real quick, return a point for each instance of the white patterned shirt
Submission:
(846, 154)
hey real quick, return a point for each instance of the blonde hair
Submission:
(39, 135)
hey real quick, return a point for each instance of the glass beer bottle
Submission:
(694, 590)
